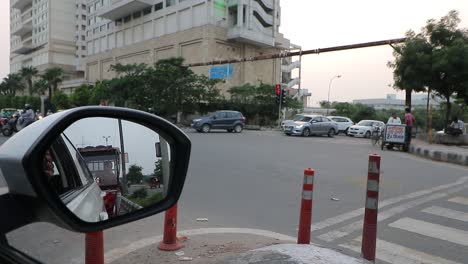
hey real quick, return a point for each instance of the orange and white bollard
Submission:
(369, 230)
(170, 241)
(305, 219)
(94, 248)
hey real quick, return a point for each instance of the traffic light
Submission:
(278, 98)
(278, 89)
(283, 97)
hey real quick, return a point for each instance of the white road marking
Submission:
(358, 212)
(436, 231)
(448, 213)
(117, 253)
(459, 200)
(396, 254)
(348, 229)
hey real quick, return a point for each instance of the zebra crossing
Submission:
(426, 230)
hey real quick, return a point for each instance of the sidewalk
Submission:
(451, 154)
(232, 248)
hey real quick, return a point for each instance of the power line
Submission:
(300, 53)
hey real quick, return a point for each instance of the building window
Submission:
(170, 3)
(83, 6)
(83, 47)
(136, 15)
(118, 22)
(147, 11)
(83, 38)
(83, 17)
(95, 30)
(126, 19)
(103, 27)
(158, 6)
(83, 27)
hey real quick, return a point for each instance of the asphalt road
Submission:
(254, 180)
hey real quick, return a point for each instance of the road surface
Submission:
(254, 180)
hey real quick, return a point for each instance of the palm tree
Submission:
(53, 76)
(40, 86)
(28, 73)
(11, 84)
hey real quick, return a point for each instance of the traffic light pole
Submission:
(279, 109)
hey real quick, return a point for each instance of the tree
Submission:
(158, 170)
(135, 174)
(436, 59)
(53, 76)
(81, 96)
(40, 86)
(411, 65)
(100, 91)
(11, 84)
(28, 73)
(60, 100)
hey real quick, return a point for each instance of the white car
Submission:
(364, 128)
(343, 123)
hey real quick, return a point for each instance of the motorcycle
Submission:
(10, 126)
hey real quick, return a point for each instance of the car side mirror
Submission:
(90, 168)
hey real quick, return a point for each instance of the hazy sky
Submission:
(320, 24)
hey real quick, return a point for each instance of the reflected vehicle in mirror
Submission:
(127, 168)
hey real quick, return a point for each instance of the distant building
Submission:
(391, 102)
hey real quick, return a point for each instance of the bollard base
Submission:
(170, 247)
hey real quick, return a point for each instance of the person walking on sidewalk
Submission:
(409, 122)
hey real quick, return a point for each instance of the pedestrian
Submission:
(394, 119)
(409, 122)
(455, 128)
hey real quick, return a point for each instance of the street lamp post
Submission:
(329, 87)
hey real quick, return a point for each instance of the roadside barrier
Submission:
(305, 218)
(94, 248)
(369, 230)
(170, 241)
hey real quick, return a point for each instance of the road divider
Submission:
(94, 248)
(170, 241)
(305, 218)
(369, 230)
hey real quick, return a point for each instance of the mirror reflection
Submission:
(102, 168)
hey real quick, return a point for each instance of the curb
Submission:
(438, 155)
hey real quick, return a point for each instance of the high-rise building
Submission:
(86, 37)
(46, 33)
(145, 31)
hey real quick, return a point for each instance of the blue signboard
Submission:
(221, 71)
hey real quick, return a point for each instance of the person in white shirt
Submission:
(394, 119)
(456, 127)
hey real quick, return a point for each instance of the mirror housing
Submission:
(21, 159)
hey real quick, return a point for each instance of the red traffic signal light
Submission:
(278, 88)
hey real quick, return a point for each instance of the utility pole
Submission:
(122, 153)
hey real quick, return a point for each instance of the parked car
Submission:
(364, 128)
(294, 118)
(343, 123)
(311, 125)
(228, 120)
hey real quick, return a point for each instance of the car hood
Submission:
(359, 127)
(200, 118)
(297, 123)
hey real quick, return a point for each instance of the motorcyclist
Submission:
(27, 117)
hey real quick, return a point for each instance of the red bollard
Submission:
(369, 230)
(94, 246)
(305, 219)
(170, 241)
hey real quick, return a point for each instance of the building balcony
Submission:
(24, 48)
(122, 8)
(20, 4)
(23, 28)
(241, 34)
